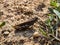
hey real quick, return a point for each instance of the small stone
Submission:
(36, 34)
(37, 44)
(6, 32)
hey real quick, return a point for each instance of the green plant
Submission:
(53, 3)
(2, 24)
(53, 21)
(43, 32)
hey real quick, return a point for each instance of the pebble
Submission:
(36, 34)
(6, 33)
(29, 43)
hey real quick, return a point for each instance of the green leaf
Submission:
(51, 10)
(56, 12)
(53, 3)
(2, 24)
(58, 8)
(51, 17)
(47, 22)
(43, 32)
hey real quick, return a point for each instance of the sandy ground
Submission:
(15, 12)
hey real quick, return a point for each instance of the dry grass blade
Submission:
(55, 38)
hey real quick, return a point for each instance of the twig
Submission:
(55, 38)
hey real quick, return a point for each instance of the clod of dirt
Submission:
(6, 5)
(28, 13)
(1, 13)
(21, 42)
(25, 25)
(9, 43)
(19, 11)
(40, 7)
(35, 39)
